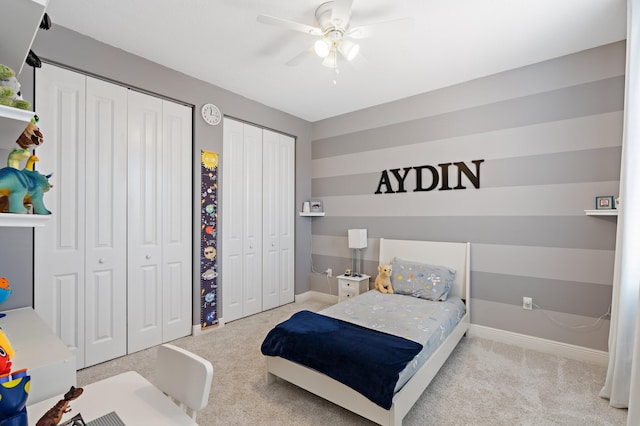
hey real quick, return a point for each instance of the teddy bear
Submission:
(383, 280)
(10, 89)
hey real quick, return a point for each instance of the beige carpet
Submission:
(482, 383)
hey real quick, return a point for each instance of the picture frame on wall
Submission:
(605, 202)
(316, 206)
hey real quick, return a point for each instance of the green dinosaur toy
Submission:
(10, 89)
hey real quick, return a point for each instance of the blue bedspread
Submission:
(366, 360)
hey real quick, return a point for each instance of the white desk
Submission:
(131, 396)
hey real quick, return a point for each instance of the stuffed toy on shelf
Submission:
(10, 89)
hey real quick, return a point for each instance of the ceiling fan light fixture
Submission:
(322, 47)
(330, 61)
(349, 49)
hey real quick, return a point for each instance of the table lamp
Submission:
(357, 241)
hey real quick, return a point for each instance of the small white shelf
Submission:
(18, 30)
(13, 121)
(611, 212)
(311, 214)
(23, 220)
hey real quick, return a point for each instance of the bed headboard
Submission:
(453, 255)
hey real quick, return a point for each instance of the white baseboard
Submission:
(316, 295)
(543, 345)
(197, 329)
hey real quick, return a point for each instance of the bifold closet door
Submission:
(80, 256)
(159, 221)
(105, 222)
(278, 211)
(241, 220)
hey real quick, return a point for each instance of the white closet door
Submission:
(59, 247)
(232, 219)
(106, 222)
(242, 220)
(278, 219)
(252, 193)
(144, 272)
(177, 220)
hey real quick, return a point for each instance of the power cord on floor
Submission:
(574, 327)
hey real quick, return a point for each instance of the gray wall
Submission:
(550, 136)
(62, 46)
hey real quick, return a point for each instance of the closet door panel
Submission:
(232, 206)
(59, 247)
(106, 218)
(286, 217)
(177, 220)
(278, 218)
(271, 196)
(252, 290)
(144, 219)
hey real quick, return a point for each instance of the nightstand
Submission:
(352, 286)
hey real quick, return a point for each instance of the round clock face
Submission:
(211, 114)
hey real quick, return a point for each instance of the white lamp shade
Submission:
(357, 238)
(330, 61)
(322, 47)
(349, 49)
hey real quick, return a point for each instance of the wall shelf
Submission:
(19, 29)
(13, 121)
(612, 212)
(308, 214)
(23, 220)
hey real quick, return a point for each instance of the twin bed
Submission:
(418, 335)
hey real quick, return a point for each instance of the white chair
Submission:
(185, 377)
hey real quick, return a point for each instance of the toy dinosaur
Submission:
(24, 186)
(55, 413)
(31, 162)
(16, 156)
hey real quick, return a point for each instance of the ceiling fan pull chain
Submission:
(335, 67)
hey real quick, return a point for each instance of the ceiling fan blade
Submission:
(365, 31)
(290, 25)
(341, 12)
(300, 57)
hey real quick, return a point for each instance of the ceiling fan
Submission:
(333, 19)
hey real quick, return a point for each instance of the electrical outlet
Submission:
(329, 272)
(527, 303)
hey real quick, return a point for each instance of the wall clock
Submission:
(211, 114)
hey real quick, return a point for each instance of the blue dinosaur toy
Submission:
(24, 186)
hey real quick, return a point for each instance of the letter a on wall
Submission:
(208, 239)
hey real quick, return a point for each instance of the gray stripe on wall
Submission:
(504, 316)
(593, 165)
(581, 232)
(586, 299)
(576, 101)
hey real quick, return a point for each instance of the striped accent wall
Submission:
(550, 136)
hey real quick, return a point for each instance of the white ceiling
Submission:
(448, 42)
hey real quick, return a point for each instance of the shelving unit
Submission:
(12, 123)
(23, 220)
(18, 32)
(611, 212)
(308, 214)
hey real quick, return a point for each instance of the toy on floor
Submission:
(55, 413)
(383, 280)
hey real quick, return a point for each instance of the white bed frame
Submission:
(454, 255)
